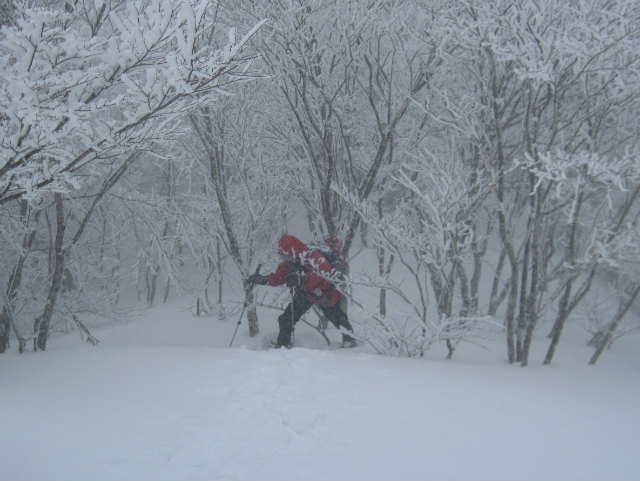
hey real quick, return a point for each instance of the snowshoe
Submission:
(270, 341)
(348, 343)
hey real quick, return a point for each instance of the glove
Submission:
(295, 279)
(257, 279)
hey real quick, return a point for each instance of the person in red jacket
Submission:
(307, 273)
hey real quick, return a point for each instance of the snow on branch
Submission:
(538, 37)
(70, 95)
(569, 172)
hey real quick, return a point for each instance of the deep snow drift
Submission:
(164, 397)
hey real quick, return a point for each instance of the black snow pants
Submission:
(297, 307)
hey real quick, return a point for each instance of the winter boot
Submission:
(348, 341)
(284, 340)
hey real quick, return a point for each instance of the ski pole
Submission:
(244, 307)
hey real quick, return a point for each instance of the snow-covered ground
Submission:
(163, 397)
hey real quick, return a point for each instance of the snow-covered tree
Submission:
(544, 78)
(89, 83)
(623, 270)
(345, 73)
(487, 149)
(246, 181)
(83, 90)
(521, 89)
(578, 77)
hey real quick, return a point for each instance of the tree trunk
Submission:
(219, 267)
(252, 314)
(13, 285)
(564, 308)
(495, 297)
(216, 157)
(605, 339)
(474, 287)
(522, 313)
(5, 330)
(467, 307)
(384, 270)
(532, 298)
(56, 277)
(382, 299)
(369, 180)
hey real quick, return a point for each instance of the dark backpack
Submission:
(339, 267)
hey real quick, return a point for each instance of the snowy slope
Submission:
(165, 398)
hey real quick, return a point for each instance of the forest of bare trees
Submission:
(486, 150)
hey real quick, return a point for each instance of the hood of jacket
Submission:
(291, 248)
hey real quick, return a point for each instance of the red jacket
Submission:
(314, 264)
